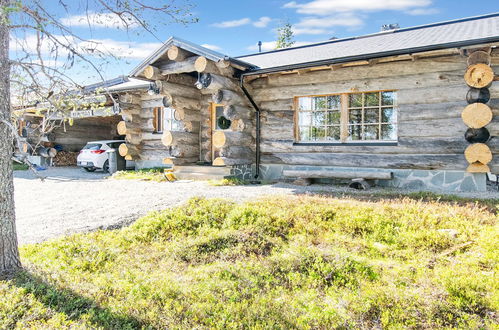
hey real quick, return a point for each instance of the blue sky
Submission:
(234, 27)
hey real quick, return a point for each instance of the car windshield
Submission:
(92, 146)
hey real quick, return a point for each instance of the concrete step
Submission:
(198, 176)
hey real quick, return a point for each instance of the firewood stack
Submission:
(477, 114)
(65, 158)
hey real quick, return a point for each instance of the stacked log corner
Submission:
(479, 76)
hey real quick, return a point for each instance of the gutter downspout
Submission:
(257, 114)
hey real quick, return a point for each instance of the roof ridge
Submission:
(417, 27)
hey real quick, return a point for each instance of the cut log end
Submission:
(128, 157)
(121, 128)
(123, 150)
(218, 139)
(151, 72)
(478, 152)
(167, 138)
(479, 75)
(477, 115)
(478, 167)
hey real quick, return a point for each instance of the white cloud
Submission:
(422, 11)
(262, 22)
(328, 7)
(344, 19)
(96, 20)
(91, 47)
(212, 47)
(299, 31)
(270, 45)
(231, 24)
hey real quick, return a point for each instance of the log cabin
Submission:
(410, 107)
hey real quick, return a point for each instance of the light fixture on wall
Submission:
(153, 89)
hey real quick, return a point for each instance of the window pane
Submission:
(304, 118)
(355, 100)
(371, 115)
(388, 132)
(387, 115)
(333, 117)
(355, 132)
(355, 116)
(371, 132)
(333, 102)
(167, 113)
(387, 98)
(319, 103)
(304, 133)
(371, 99)
(317, 133)
(333, 133)
(318, 118)
(305, 103)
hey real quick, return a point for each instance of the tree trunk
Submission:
(9, 253)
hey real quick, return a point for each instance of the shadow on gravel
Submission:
(72, 304)
(63, 174)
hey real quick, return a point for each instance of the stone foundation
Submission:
(435, 180)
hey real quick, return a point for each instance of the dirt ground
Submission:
(71, 200)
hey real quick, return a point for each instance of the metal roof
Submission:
(189, 46)
(449, 34)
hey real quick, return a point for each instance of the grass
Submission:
(283, 262)
(230, 181)
(19, 167)
(150, 174)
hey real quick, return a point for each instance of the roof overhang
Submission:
(371, 56)
(190, 47)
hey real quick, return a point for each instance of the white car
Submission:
(93, 156)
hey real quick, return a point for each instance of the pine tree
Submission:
(285, 37)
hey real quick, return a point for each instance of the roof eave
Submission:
(457, 44)
(191, 47)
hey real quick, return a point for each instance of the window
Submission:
(371, 116)
(347, 117)
(164, 120)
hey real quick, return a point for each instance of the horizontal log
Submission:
(152, 73)
(229, 138)
(160, 101)
(185, 151)
(179, 161)
(177, 54)
(325, 174)
(420, 161)
(191, 126)
(173, 138)
(478, 152)
(237, 112)
(414, 146)
(187, 114)
(187, 65)
(210, 83)
(179, 90)
(477, 115)
(127, 149)
(479, 75)
(382, 70)
(236, 152)
(227, 97)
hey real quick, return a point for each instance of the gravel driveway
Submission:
(71, 200)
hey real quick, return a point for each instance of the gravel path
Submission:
(71, 200)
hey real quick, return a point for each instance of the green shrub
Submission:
(282, 262)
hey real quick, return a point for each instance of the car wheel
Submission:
(105, 167)
(89, 169)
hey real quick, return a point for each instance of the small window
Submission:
(164, 120)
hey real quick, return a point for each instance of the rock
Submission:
(452, 233)
(302, 182)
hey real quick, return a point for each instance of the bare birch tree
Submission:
(46, 49)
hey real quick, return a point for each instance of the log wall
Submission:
(431, 94)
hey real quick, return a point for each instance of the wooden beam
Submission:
(187, 65)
